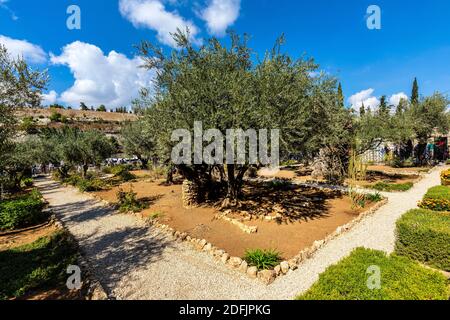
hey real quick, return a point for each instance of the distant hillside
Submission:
(108, 122)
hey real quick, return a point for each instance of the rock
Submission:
(225, 257)
(207, 247)
(277, 270)
(202, 243)
(284, 267)
(244, 266)
(293, 265)
(252, 272)
(219, 253)
(183, 236)
(235, 262)
(267, 276)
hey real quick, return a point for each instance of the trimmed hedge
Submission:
(401, 279)
(22, 212)
(437, 199)
(424, 235)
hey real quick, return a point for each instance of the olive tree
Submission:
(225, 88)
(138, 140)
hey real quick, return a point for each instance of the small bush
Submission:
(424, 235)
(55, 117)
(22, 212)
(279, 183)
(27, 182)
(390, 187)
(401, 279)
(122, 172)
(445, 177)
(437, 199)
(128, 202)
(90, 185)
(262, 259)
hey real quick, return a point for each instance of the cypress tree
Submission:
(341, 96)
(415, 93)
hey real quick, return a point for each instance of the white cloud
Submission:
(220, 14)
(365, 97)
(152, 14)
(30, 52)
(395, 98)
(49, 98)
(4, 6)
(113, 79)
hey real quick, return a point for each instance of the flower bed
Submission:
(437, 199)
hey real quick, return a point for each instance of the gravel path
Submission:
(133, 261)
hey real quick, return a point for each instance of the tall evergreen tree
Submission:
(362, 110)
(415, 93)
(384, 109)
(341, 96)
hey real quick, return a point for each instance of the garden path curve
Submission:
(133, 261)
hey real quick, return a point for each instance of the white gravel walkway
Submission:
(133, 261)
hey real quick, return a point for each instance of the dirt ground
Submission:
(399, 170)
(26, 237)
(289, 237)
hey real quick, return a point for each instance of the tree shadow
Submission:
(116, 254)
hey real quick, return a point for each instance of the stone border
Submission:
(265, 276)
(95, 290)
(237, 223)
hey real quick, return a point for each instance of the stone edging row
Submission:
(265, 276)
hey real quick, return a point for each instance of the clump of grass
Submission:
(156, 215)
(374, 197)
(262, 259)
(279, 184)
(128, 202)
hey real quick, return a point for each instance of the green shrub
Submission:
(40, 264)
(55, 116)
(401, 279)
(262, 259)
(424, 235)
(22, 212)
(373, 197)
(390, 187)
(437, 199)
(27, 182)
(122, 172)
(128, 202)
(90, 185)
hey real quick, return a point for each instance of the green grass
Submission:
(438, 192)
(391, 187)
(401, 279)
(39, 265)
(424, 235)
(262, 259)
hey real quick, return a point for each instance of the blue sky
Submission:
(414, 41)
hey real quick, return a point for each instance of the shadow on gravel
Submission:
(81, 211)
(116, 254)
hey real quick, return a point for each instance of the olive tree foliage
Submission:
(69, 147)
(138, 140)
(20, 86)
(224, 88)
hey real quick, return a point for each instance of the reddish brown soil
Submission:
(296, 233)
(26, 237)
